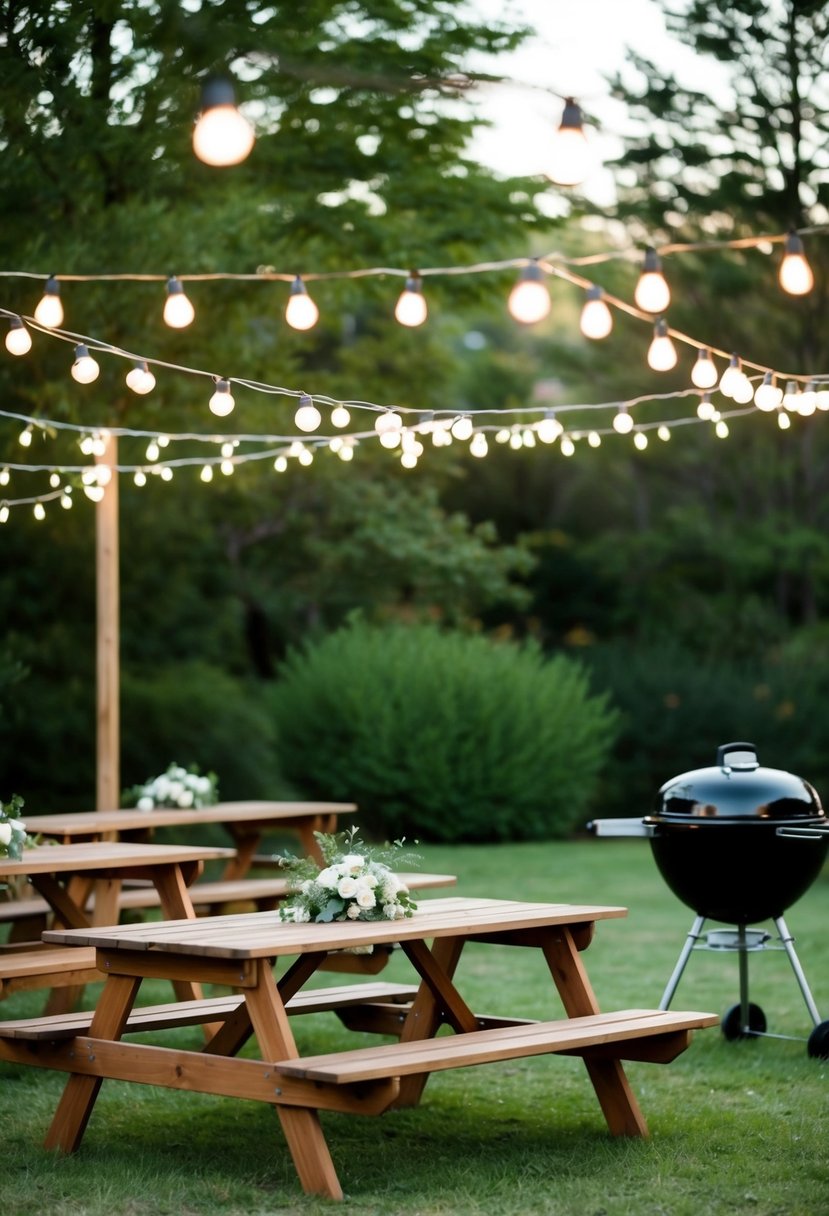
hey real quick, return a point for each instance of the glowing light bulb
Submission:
(807, 403)
(306, 457)
(84, 369)
(705, 409)
(462, 428)
(721, 429)
(207, 472)
(346, 452)
(301, 312)
(704, 372)
(529, 300)
(18, 339)
(594, 439)
(549, 428)
(731, 376)
(571, 158)
(623, 423)
(140, 379)
(340, 416)
(822, 399)
(307, 416)
(94, 492)
(4, 513)
(568, 448)
(795, 274)
(178, 311)
(411, 309)
(140, 477)
(66, 500)
(790, 397)
(222, 403)
(222, 136)
(640, 441)
(652, 292)
(661, 352)
(479, 446)
(280, 464)
(49, 312)
(153, 452)
(25, 441)
(387, 421)
(664, 433)
(39, 511)
(390, 439)
(596, 320)
(784, 421)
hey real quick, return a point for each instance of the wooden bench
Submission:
(630, 1034)
(31, 965)
(211, 1009)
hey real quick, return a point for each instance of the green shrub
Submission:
(197, 715)
(442, 736)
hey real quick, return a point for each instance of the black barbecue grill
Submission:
(737, 843)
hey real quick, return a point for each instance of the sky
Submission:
(579, 43)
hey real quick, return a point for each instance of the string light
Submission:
(49, 311)
(25, 438)
(221, 403)
(549, 428)
(178, 311)
(596, 319)
(85, 369)
(721, 429)
(570, 159)
(340, 417)
(705, 409)
(567, 448)
(704, 371)
(221, 136)
(529, 300)
(301, 312)
(18, 339)
(622, 422)
(411, 309)
(462, 428)
(479, 446)
(790, 396)
(807, 402)
(140, 379)
(652, 293)
(768, 395)
(662, 354)
(640, 441)
(731, 376)
(307, 416)
(795, 274)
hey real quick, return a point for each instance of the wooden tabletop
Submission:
(80, 823)
(263, 935)
(105, 855)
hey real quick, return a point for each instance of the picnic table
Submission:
(240, 952)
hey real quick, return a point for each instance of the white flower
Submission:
(5, 833)
(352, 912)
(145, 803)
(301, 915)
(161, 787)
(328, 878)
(185, 798)
(352, 862)
(365, 898)
(347, 887)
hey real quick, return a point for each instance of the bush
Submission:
(199, 716)
(442, 736)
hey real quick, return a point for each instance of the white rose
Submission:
(328, 877)
(185, 798)
(203, 785)
(352, 912)
(161, 787)
(390, 911)
(5, 833)
(352, 862)
(145, 803)
(365, 898)
(346, 888)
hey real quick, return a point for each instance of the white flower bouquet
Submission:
(13, 835)
(178, 787)
(356, 882)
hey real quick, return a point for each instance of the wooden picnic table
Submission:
(245, 821)
(240, 952)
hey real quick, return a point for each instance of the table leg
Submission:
(73, 1111)
(619, 1106)
(300, 1125)
(177, 905)
(424, 1018)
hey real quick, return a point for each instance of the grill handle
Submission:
(812, 833)
(620, 827)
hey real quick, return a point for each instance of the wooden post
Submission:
(108, 784)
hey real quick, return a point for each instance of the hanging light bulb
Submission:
(462, 428)
(721, 429)
(594, 439)
(178, 311)
(790, 397)
(411, 309)
(567, 448)
(596, 319)
(529, 300)
(731, 376)
(18, 339)
(280, 464)
(705, 409)
(84, 369)
(571, 157)
(743, 390)
(549, 428)
(49, 311)
(207, 472)
(479, 446)
(822, 398)
(25, 441)
(39, 511)
(661, 352)
(340, 416)
(387, 421)
(783, 421)
(302, 312)
(307, 416)
(652, 293)
(795, 274)
(623, 423)
(140, 379)
(222, 136)
(222, 403)
(664, 433)
(640, 441)
(807, 402)
(704, 371)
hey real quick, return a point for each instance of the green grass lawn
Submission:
(740, 1127)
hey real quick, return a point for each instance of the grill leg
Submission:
(788, 945)
(745, 1009)
(691, 940)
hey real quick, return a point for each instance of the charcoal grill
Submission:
(737, 843)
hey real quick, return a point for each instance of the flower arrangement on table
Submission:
(13, 834)
(356, 882)
(178, 787)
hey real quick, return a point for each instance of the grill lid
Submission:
(736, 789)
